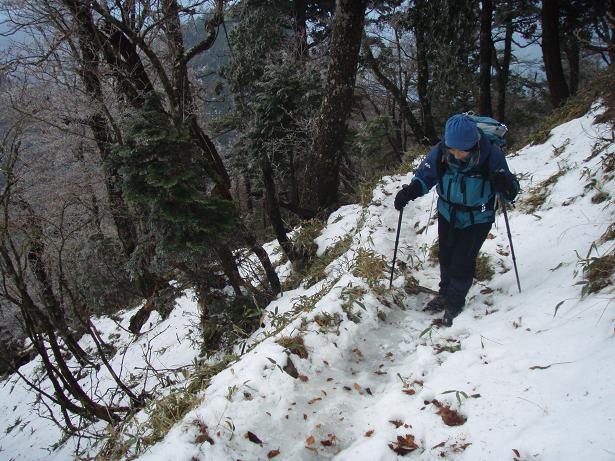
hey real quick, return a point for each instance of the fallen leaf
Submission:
(450, 417)
(304, 417)
(440, 445)
(369, 433)
(407, 441)
(357, 387)
(404, 445)
(409, 391)
(315, 399)
(330, 441)
(203, 434)
(310, 440)
(400, 450)
(378, 372)
(358, 353)
(273, 454)
(397, 423)
(304, 378)
(252, 437)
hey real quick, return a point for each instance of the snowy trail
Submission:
(528, 371)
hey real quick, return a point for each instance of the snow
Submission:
(532, 383)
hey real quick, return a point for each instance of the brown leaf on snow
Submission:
(357, 387)
(440, 445)
(310, 440)
(329, 442)
(252, 437)
(315, 399)
(304, 378)
(404, 445)
(358, 353)
(203, 434)
(451, 417)
(400, 450)
(273, 454)
(397, 423)
(407, 441)
(409, 391)
(369, 433)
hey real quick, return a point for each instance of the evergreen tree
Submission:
(165, 180)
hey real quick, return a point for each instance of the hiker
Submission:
(469, 170)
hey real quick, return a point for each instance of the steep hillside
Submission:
(348, 369)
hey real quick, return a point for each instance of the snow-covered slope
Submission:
(529, 375)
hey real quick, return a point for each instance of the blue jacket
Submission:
(465, 193)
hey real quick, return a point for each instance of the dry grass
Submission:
(608, 235)
(434, 251)
(484, 269)
(537, 196)
(294, 344)
(577, 106)
(369, 266)
(303, 240)
(166, 412)
(598, 273)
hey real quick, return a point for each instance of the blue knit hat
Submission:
(461, 132)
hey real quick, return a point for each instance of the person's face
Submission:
(461, 155)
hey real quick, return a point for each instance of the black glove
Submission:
(503, 183)
(407, 193)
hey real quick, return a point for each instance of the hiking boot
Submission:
(437, 304)
(447, 319)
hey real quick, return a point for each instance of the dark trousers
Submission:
(458, 249)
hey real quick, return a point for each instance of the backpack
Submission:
(491, 128)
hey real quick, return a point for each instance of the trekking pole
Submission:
(401, 212)
(512, 250)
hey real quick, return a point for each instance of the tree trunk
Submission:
(263, 257)
(272, 207)
(484, 101)
(422, 85)
(322, 179)
(551, 52)
(503, 69)
(229, 266)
